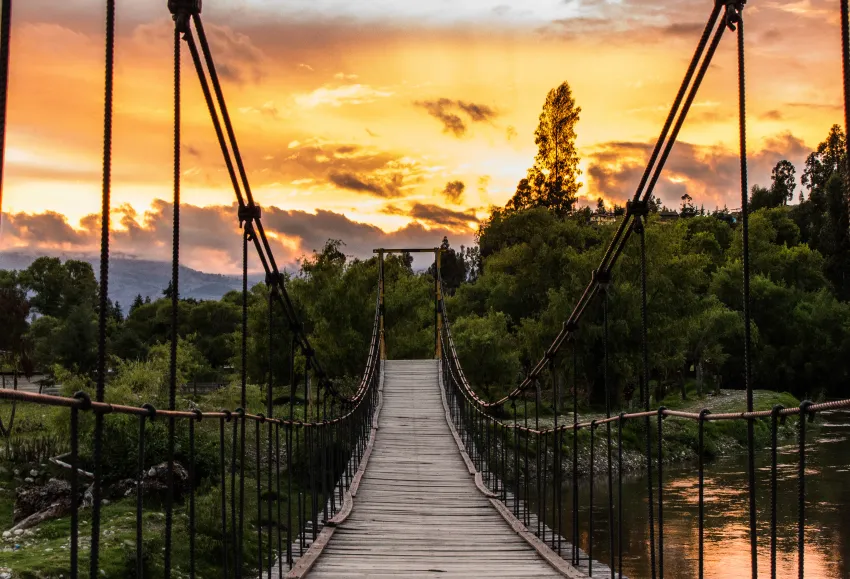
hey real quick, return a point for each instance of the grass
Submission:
(680, 436)
(44, 551)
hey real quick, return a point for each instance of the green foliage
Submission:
(487, 350)
(824, 218)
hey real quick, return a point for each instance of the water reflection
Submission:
(727, 547)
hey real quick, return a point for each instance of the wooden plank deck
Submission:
(417, 512)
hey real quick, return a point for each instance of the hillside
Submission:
(129, 277)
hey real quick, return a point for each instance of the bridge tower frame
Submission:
(438, 293)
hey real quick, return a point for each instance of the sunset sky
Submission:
(352, 117)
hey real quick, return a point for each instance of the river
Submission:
(727, 548)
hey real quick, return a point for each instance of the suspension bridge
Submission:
(414, 474)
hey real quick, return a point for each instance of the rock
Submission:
(5, 575)
(18, 532)
(33, 473)
(155, 481)
(29, 480)
(16, 472)
(31, 500)
(7, 534)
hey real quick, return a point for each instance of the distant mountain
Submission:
(129, 277)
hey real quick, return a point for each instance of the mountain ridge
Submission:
(130, 276)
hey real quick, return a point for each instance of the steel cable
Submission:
(623, 232)
(175, 294)
(845, 68)
(5, 39)
(644, 388)
(742, 133)
(103, 288)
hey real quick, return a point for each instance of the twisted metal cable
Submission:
(845, 68)
(624, 230)
(5, 37)
(175, 297)
(104, 282)
(644, 388)
(742, 134)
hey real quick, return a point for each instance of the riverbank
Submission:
(680, 441)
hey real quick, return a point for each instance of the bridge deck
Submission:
(417, 512)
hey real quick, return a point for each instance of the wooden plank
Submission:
(421, 509)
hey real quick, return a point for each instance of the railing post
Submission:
(701, 485)
(774, 419)
(590, 505)
(661, 410)
(801, 474)
(223, 484)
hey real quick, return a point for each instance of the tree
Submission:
(60, 288)
(762, 198)
(45, 277)
(600, 206)
(688, 208)
(487, 350)
(14, 311)
(824, 161)
(76, 341)
(453, 267)
(784, 181)
(824, 218)
(552, 181)
(137, 303)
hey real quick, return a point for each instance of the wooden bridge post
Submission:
(383, 346)
(438, 300)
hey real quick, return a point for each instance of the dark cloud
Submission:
(453, 191)
(435, 215)
(442, 216)
(772, 115)
(210, 236)
(688, 29)
(711, 175)
(387, 188)
(452, 123)
(447, 111)
(478, 113)
(367, 170)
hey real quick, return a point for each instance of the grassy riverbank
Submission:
(680, 441)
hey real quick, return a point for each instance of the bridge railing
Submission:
(277, 481)
(530, 467)
(242, 493)
(525, 464)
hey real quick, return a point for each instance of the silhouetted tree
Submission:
(552, 181)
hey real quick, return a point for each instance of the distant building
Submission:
(600, 218)
(668, 215)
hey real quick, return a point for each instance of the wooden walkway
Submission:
(418, 512)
